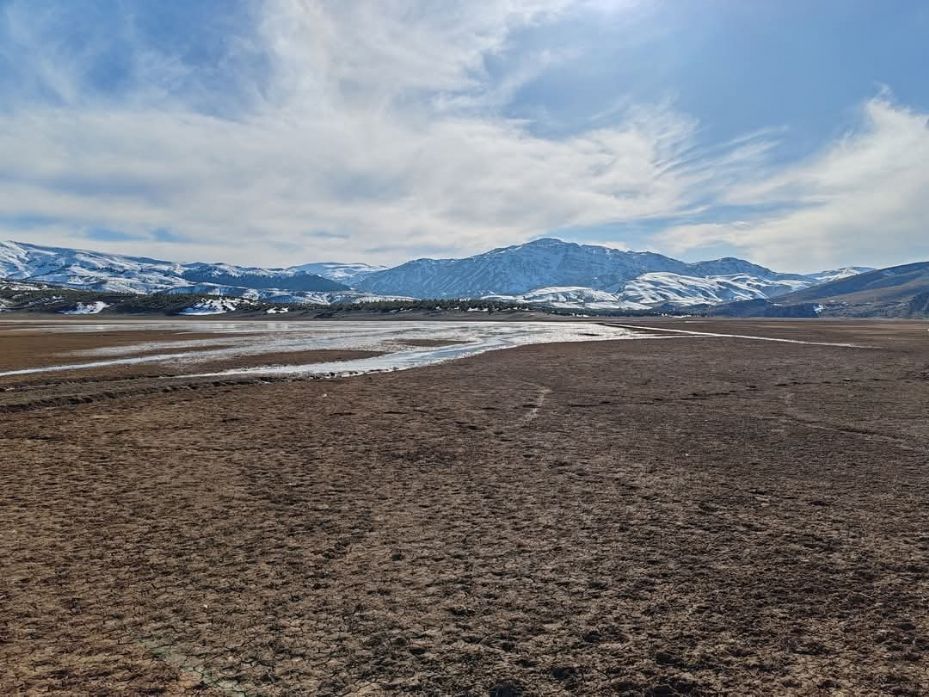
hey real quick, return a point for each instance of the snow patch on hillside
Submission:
(282, 297)
(571, 297)
(658, 289)
(653, 289)
(349, 274)
(97, 271)
(218, 306)
(86, 308)
(839, 274)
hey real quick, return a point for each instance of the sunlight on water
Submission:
(396, 341)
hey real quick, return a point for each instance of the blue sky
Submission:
(287, 131)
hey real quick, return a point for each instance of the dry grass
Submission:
(690, 516)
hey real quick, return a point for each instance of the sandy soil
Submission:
(687, 516)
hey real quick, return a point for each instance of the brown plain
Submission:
(685, 516)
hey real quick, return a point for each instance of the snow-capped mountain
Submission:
(545, 263)
(349, 274)
(283, 296)
(544, 272)
(839, 274)
(896, 291)
(84, 269)
(88, 270)
(518, 269)
(660, 289)
(248, 277)
(570, 298)
(653, 289)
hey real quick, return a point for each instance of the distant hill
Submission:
(96, 271)
(259, 279)
(837, 274)
(897, 291)
(349, 274)
(888, 285)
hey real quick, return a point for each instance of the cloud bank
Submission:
(862, 200)
(377, 131)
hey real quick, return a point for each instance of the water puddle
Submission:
(428, 343)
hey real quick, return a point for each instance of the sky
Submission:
(277, 132)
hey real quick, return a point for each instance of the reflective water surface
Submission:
(402, 344)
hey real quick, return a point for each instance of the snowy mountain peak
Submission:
(728, 266)
(839, 274)
(349, 274)
(83, 269)
(545, 271)
(546, 262)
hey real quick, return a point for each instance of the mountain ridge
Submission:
(90, 270)
(541, 263)
(895, 291)
(546, 271)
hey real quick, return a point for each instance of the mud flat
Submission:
(699, 515)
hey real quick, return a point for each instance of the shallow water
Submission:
(473, 338)
(392, 339)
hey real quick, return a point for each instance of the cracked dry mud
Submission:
(686, 516)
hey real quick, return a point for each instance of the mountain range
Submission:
(541, 263)
(569, 275)
(897, 291)
(544, 272)
(86, 270)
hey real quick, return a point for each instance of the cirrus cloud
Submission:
(862, 200)
(298, 130)
(372, 138)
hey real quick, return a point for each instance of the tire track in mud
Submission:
(90, 397)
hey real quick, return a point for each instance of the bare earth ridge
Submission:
(690, 516)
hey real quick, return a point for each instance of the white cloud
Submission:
(375, 134)
(390, 182)
(356, 151)
(863, 200)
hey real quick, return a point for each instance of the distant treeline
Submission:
(477, 305)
